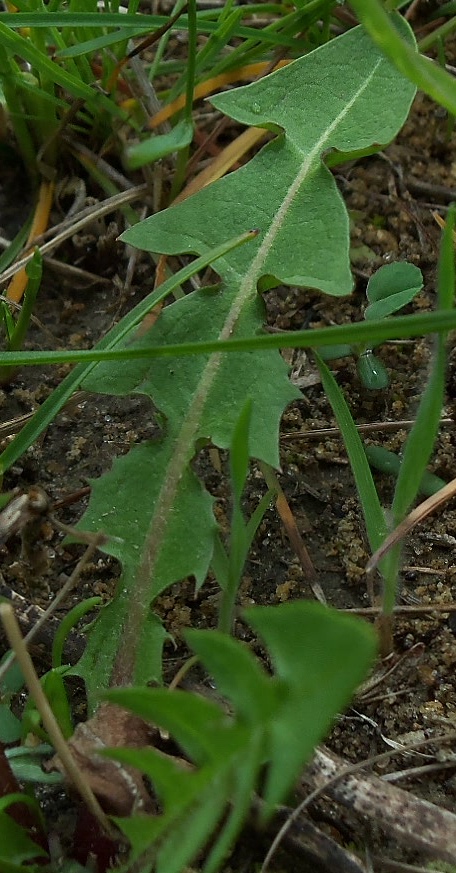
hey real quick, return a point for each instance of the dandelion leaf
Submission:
(344, 96)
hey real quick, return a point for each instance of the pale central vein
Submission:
(156, 535)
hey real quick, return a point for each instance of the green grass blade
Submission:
(370, 504)
(17, 45)
(49, 409)
(16, 245)
(139, 23)
(421, 439)
(401, 327)
(426, 74)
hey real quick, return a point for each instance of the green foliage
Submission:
(10, 725)
(157, 514)
(71, 56)
(426, 74)
(49, 409)
(388, 290)
(392, 287)
(26, 764)
(302, 206)
(318, 658)
(16, 847)
(33, 97)
(172, 533)
(421, 439)
(228, 568)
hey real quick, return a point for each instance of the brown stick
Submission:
(414, 823)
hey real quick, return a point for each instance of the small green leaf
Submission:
(318, 656)
(193, 720)
(26, 765)
(156, 147)
(16, 847)
(10, 726)
(236, 672)
(391, 288)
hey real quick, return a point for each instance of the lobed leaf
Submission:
(275, 721)
(153, 501)
(320, 657)
(301, 215)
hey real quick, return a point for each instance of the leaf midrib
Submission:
(156, 534)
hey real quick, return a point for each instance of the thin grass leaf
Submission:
(220, 564)
(16, 245)
(67, 624)
(138, 23)
(373, 513)
(421, 439)
(18, 45)
(239, 454)
(257, 516)
(49, 409)
(375, 333)
(425, 73)
(156, 147)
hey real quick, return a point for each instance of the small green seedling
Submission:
(388, 290)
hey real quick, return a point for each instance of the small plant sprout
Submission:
(389, 289)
